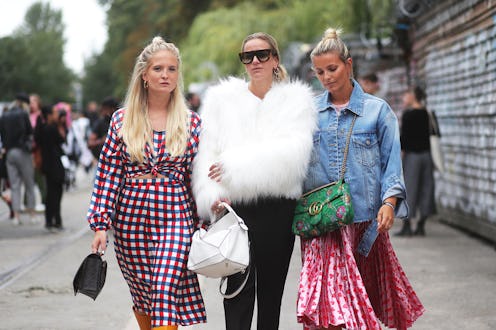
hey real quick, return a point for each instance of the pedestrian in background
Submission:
(100, 127)
(417, 162)
(50, 134)
(17, 143)
(370, 83)
(91, 112)
(194, 101)
(254, 154)
(80, 128)
(34, 116)
(143, 175)
(340, 287)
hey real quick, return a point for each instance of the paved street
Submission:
(453, 273)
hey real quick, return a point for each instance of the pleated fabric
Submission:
(338, 286)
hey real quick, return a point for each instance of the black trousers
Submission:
(271, 245)
(54, 190)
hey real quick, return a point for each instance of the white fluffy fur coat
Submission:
(264, 145)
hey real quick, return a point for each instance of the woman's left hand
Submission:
(215, 172)
(385, 218)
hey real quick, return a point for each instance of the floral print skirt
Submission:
(338, 286)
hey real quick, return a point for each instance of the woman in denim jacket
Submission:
(347, 280)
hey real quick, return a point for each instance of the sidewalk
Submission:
(453, 274)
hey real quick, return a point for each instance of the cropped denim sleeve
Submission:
(392, 182)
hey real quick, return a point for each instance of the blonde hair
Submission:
(136, 126)
(281, 74)
(331, 43)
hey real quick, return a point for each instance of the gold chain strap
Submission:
(348, 138)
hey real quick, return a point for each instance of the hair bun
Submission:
(332, 33)
(158, 40)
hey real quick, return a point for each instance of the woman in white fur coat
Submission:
(254, 151)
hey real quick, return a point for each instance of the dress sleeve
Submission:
(194, 140)
(108, 179)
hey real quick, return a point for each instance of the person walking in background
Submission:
(340, 287)
(142, 190)
(417, 161)
(254, 154)
(193, 101)
(17, 143)
(34, 116)
(369, 83)
(91, 112)
(100, 127)
(80, 129)
(5, 193)
(50, 134)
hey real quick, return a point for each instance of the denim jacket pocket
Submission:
(367, 148)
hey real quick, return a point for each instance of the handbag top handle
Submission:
(348, 138)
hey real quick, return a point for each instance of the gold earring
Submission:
(145, 84)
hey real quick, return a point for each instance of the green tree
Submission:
(32, 58)
(216, 35)
(209, 32)
(14, 73)
(131, 25)
(99, 78)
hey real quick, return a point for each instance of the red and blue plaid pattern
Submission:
(153, 223)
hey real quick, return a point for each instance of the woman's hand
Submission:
(215, 172)
(385, 217)
(217, 207)
(99, 244)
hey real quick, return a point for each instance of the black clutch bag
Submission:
(90, 277)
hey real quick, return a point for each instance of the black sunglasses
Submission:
(263, 55)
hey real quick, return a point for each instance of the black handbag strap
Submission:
(348, 138)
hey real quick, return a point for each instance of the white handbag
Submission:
(221, 250)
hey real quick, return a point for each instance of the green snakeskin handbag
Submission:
(325, 208)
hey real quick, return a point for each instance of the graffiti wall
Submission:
(454, 53)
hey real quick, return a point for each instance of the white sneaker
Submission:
(16, 222)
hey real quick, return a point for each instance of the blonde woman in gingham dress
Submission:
(143, 176)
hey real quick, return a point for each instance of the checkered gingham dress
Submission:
(153, 224)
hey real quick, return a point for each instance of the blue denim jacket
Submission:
(373, 169)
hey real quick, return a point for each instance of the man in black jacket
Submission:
(17, 142)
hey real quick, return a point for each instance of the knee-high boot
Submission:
(144, 321)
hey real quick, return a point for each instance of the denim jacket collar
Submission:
(356, 100)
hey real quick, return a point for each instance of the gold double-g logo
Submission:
(315, 208)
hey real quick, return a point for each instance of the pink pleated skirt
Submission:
(338, 286)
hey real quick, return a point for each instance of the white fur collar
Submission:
(263, 145)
